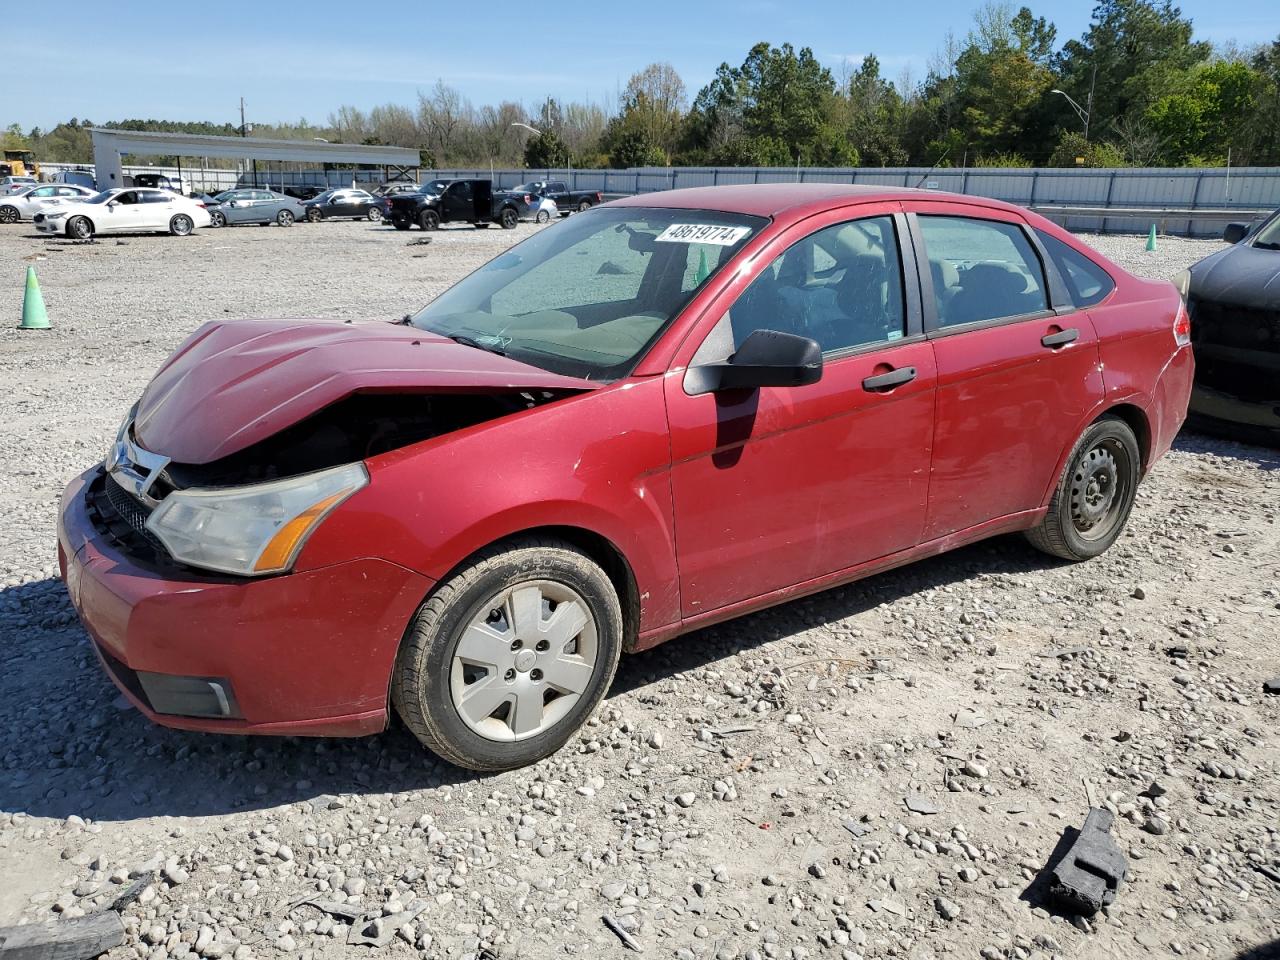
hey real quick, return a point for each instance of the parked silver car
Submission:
(254, 206)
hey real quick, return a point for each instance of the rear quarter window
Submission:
(1087, 283)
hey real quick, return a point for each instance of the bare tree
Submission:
(442, 117)
(1141, 145)
(654, 101)
(349, 124)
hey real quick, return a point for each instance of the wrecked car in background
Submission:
(1234, 299)
(666, 412)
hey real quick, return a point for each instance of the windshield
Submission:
(587, 297)
(324, 196)
(1268, 237)
(224, 196)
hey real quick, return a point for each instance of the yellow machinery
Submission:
(19, 163)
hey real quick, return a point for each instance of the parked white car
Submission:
(10, 185)
(125, 211)
(543, 209)
(29, 202)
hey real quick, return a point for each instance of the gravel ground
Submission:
(742, 791)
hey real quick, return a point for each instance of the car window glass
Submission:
(44, 192)
(68, 192)
(981, 270)
(127, 197)
(841, 286)
(155, 196)
(1087, 282)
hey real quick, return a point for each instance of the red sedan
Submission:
(660, 414)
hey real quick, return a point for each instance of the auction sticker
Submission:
(702, 233)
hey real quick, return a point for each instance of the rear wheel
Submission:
(81, 228)
(508, 218)
(506, 661)
(584, 205)
(374, 214)
(181, 225)
(9, 214)
(401, 223)
(1095, 494)
(285, 218)
(429, 220)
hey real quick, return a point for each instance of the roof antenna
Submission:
(933, 168)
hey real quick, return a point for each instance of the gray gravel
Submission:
(877, 771)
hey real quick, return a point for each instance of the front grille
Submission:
(121, 519)
(38, 218)
(131, 511)
(1228, 325)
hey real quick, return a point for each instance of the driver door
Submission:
(780, 485)
(123, 213)
(457, 203)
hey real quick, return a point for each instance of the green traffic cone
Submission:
(34, 316)
(1151, 239)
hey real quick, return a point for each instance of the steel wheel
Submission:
(8, 213)
(1100, 488)
(523, 661)
(80, 227)
(285, 218)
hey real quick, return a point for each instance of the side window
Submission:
(155, 196)
(127, 197)
(461, 191)
(981, 270)
(1087, 282)
(841, 286)
(45, 192)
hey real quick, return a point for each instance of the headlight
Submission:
(55, 214)
(1182, 280)
(251, 530)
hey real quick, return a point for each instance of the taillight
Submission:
(528, 199)
(1182, 326)
(599, 197)
(200, 205)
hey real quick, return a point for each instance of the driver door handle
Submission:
(1061, 338)
(886, 381)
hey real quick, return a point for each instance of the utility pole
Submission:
(1088, 111)
(244, 132)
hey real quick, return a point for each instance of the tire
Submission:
(314, 215)
(584, 205)
(542, 217)
(480, 605)
(217, 218)
(508, 218)
(429, 220)
(9, 214)
(285, 218)
(374, 215)
(400, 223)
(1095, 494)
(181, 225)
(80, 228)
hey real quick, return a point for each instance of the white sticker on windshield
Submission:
(702, 233)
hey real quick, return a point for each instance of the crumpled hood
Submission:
(1242, 275)
(234, 383)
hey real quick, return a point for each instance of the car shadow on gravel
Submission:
(1265, 951)
(70, 744)
(999, 555)
(1195, 442)
(73, 745)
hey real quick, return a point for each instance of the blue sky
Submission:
(289, 61)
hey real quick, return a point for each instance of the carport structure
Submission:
(109, 145)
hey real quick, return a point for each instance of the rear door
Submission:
(156, 208)
(782, 485)
(1018, 365)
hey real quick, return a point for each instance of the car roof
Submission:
(790, 200)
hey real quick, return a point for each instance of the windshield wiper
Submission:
(466, 341)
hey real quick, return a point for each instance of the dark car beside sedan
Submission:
(1234, 300)
(345, 204)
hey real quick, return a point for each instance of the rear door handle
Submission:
(886, 381)
(1061, 338)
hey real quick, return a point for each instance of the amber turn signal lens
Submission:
(279, 551)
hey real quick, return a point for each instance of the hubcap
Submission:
(1099, 488)
(524, 661)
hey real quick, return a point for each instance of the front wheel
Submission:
(542, 217)
(429, 220)
(508, 218)
(1095, 494)
(506, 661)
(217, 218)
(285, 218)
(81, 228)
(314, 215)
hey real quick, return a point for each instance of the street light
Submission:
(1081, 112)
(524, 126)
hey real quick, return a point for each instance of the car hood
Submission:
(1242, 275)
(234, 383)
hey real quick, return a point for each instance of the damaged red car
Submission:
(662, 413)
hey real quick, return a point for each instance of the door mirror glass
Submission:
(767, 358)
(1235, 232)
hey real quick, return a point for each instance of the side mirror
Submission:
(768, 358)
(1235, 232)
(112, 204)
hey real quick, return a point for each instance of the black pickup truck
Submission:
(569, 201)
(454, 201)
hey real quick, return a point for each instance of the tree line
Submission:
(1136, 89)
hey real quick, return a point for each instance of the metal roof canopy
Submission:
(108, 145)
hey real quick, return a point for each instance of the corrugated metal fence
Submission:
(1133, 198)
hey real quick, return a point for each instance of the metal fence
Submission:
(1108, 200)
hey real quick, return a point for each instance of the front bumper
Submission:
(305, 654)
(1214, 411)
(51, 226)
